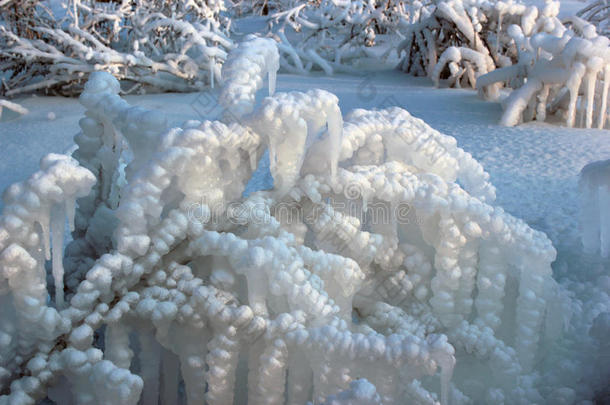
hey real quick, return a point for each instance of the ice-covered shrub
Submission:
(333, 35)
(259, 7)
(153, 44)
(565, 72)
(464, 39)
(376, 270)
(597, 12)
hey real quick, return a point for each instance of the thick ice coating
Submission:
(377, 270)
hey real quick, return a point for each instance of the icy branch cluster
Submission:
(597, 12)
(564, 72)
(376, 270)
(464, 39)
(554, 67)
(153, 44)
(334, 35)
(260, 7)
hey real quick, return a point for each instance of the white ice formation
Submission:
(151, 44)
(463, 39)
(595, 207)
(554, 67)
(9, 105)
(338, 35)
(376, 270)
(597, 12)
(562, 71)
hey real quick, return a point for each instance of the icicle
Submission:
(443, 354)
(573, 84)
(192, 347)
(272, 71)
(542, 101)
(57, 233)
(594, 65)
(170, 378)
(498, 31)
(603, 110)
(335, 133)
(212, 63)
(604, 221)
(46, 235)
(150, 363)
(75, 5)
(70, 205)
(491, 283)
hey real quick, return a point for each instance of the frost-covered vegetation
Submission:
(376, 269)
(553, 67)
(598, 13)
(556, 69)
(334, 36)
(158, 44)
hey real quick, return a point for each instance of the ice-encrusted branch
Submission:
(334, 36)
(152, 45)
(565, 72)
(376, 262)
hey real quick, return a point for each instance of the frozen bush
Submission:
(563, 72)
(152, 44)
(464, 39)
(335, 35)
(597, 12)
(377, 268)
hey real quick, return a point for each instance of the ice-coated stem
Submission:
(169, 394)
(58, 218)
(150, 364)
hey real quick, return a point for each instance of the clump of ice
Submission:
(377, 269)
(595, 207)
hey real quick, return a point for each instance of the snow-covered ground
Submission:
(534, 166)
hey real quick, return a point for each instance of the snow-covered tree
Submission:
(152, 44)
(377, 268)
